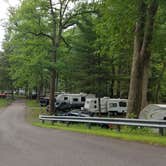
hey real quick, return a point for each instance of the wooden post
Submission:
(52, 122)
(68, 123)
(118, 128)
(161, 131)
(89, 125)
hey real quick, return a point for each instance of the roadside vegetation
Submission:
(33, 111)
(4, 102)
(143, 135)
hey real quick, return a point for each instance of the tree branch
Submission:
(66, 43)
(67, 21)
(53, 18)
(39, 34)
(151, 12)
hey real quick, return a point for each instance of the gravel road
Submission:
(24, 145)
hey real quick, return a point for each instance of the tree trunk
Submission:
(135, 91)
(56, 82)
(111, 88)
(39, 90)
(157, 91)
(52, 93)
(112, 82)
(118, 94)
(141, 58)
(145, 81)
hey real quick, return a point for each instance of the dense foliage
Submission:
(93, 52)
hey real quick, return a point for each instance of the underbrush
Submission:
(34, 110)
(4, 102)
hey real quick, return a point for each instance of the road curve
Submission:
(24, 145)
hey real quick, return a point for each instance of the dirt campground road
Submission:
(24, 145)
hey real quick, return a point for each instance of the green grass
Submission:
(4, 102)
(33, 111)
(32, 103)
(139, 135)
(143, 135)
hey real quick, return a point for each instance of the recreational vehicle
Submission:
(107, 105)
(44, 100)
(70, 101)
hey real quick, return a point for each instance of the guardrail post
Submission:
(67, 123)
(52, 122)
(118, 128)
(43, 121)
(161, 131)
(89, 125)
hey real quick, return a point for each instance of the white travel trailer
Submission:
(92, 104)
(154, 111)
(67, 100)
(117, 105)
(107, 105)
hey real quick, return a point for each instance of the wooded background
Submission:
(107, 47)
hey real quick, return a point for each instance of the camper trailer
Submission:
(117, 106)
(92, 105)
(107, 105)
(71, 101)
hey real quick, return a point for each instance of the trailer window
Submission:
(122, 104)
(75, 99)
(82, 98)
(65, 98)
(113, 105)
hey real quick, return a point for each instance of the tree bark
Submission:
(157, 91)
(52, 108)
(118, 92)
(135, 91)
(55, 44)
(112, 82)
(141, 57)
(145, 81)
(52, 93)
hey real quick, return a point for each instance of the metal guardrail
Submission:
(160, 124)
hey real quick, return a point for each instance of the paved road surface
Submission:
(24, 145)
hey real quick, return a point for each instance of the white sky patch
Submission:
(4, 15)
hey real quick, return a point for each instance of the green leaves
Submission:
(94, 45)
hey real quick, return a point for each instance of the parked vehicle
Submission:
(76, 113)
(154, 111)
(3, 95)
(71, 101)
(107, 105)
(44, 101)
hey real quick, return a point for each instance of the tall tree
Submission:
(45, 19)
(5, 79)
(141, 56)
(115, 31)
(158, 67)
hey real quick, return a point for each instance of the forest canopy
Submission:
(107, 47)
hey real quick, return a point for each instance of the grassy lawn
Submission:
(4, 102)
(143, 135)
